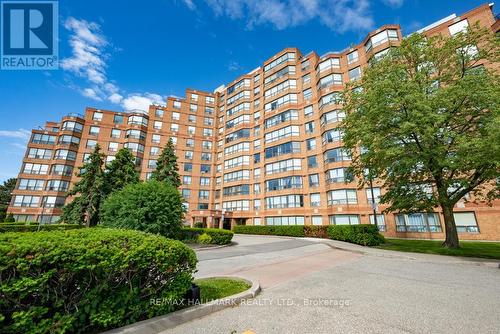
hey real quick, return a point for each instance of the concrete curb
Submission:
(214, 247)
(164, 322)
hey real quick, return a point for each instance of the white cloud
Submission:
(190, 4)
(141, 101)
(393, 3)
(88, 61)
(338, 15)
(18, 134)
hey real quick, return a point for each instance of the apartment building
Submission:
(266, 149)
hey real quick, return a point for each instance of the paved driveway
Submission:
(310, 287)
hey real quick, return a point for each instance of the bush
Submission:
(363, 234)
(10, 218)
(34, 227)
(283, 230)
(316, 231)
(152, 206)
(218, 236)
(198, 225)
(204, 239)
(88, 280)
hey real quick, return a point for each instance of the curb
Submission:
(171, 320)
(215, 247)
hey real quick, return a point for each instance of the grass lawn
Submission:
(487, 250)
(215, 288)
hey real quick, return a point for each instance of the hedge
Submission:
(37, 227)
(363, 234)
(283, 230)
(89, 280)
(218, 236)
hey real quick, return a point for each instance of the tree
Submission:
(153, 206)
(427, 118)
(88, 192)
(120, 172)
(166, 166)
(6, 196)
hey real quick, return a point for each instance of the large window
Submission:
(26, 201)
(286, 201)
(68, 140)
(242, 133)
(284, 58)
(57, 185)
(337, 175)
(380, 38)
(137, 120)
(242, 119)
(289, 84)
(30, 184)
(243, 205)
(65, 155)
(332, 98)
(237, 175)
(283, 166)
(332, 117)
(240, 147)
(335, 155)
(289, 70)
(241, 189)
(343, 219)
(286, 220)
(288, 182)
(466, 222)
(53, 201)
(329, 64)
(284, 100)
(39, 153)
(72, 126)
(342, 196)
(30, 168)
(61, 170)
(380, 222)
(329, 80)
(135, 134)
(244, 94)
(39, 138)
(332, 136)
(285, 116)
(418, 222)
(289, 131)
(243, 160)
(240, 84)
(245, 106)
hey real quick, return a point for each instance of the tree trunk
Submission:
(451, 240)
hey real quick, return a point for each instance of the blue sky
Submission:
(123, 54)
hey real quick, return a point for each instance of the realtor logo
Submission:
(29, 35)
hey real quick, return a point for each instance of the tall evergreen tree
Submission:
(88, 192)
(120, 172)
(5, 196)
(167, 169)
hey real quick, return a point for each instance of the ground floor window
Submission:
(344, 219)
(46, 219)
(256, 221)
(466, 222)
(290, 220)
(380, 222)
(418, 222)
(317, 220)
(24, 218)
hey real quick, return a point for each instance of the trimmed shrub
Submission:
(153, 206)
(218, 236)
(198, 225)
(283, 230)
(88, 280)
(34, 227)
(204, 239)
(316, 231)
(363, 234)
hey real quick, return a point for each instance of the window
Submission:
(156, 139)
(307, 94)
(135, 134)
(97, 116)
(65, 155)
(312, 162)
(309, 127)
(332, 136)
(376, 193)
(61, 170)
(204, 169)
(237, 175)
(332, 117)
(39, 138)
(380, 38)
(241, 189)
(118, 119)
(94, 130)
(53, 202)
(286, 148)
(204, 181)
(243, 205)
(57, 185)
(283, 166)
(308, 111)
(203, 194)
(242, 119)
(205, 156)
(329, 64)
(159, 113)
(380, 222)
(317, 220)
(286, 220)
(284, 58)
(355, 73)
(245, 106)
(39, 153)
(285, 132)
(466, 222)
(188, 155)
(157, 125)
(177, 104)
(186, 193)
(278, 89)
(174, 127)
(154, 150)
(209, 100)
(244, 94)
(240, 147)
(134, 147)
(329, 80)
(332, 98)
(256, 158)
(458, 27)
(289, 115)
(418, 222)
(30, 184)
(342, 196)
(335, 155)
(256, 206)
(315, 200)
(40, 169)
(194, 97)
(26, 201)
(256, 188)
(306, 79)
(286, 201)
(207, 132)
(208, 121)
(176, 116)
(115, 133)
(137, 120)
(72, 126)
(289, 182)
(344, 219)
(284, 100)
(206, 145)
(337, 175)
(186, 179)
(152, 163)
(311, 144)
(352, 57)
(193, 107)
(191, 130)
(313, 180)
(69, 140)
(91, 143)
